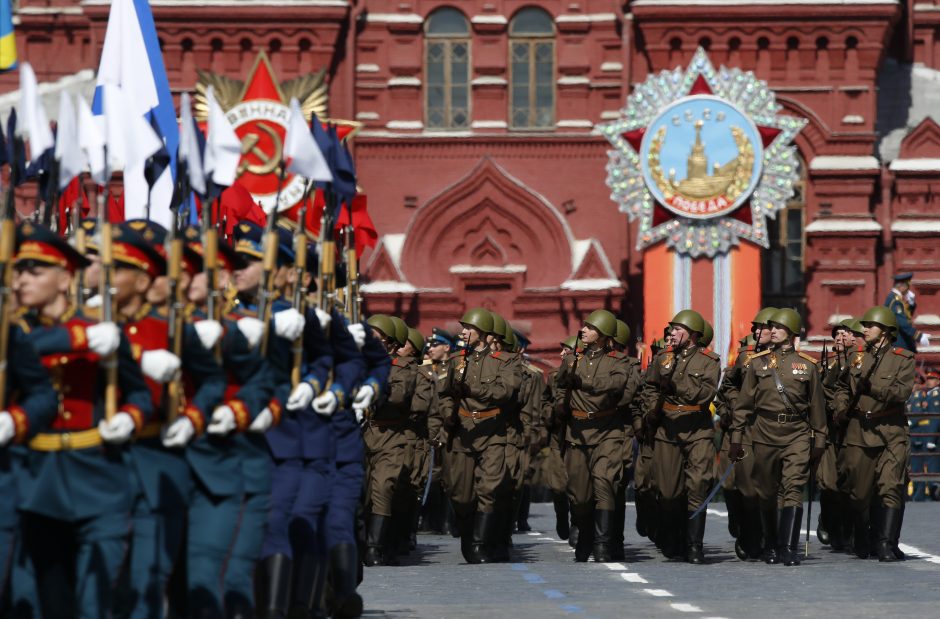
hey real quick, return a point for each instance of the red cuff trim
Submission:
(20, 424)
(77, 338)
(242, 418)
(195, 416)
(275, 407)
(136, 414)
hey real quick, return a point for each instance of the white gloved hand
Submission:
(360, 415)
(7, 428)
(252, 329)
(159, 365)
(262, 422)
(363, 398)
(325, 404)
(931, 446)
(94, 301)
(289, 324)
(358, 333)
(103, 338)
(324, 317)
(924, 340)
(301, 397)
(118, 430)
(209, 332)
(178, 433)
(223, 421)
(910, 297)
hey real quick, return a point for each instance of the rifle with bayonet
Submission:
(866, 379)
(7, 248)
(299, 301)
(110, 362)
(173, 395)
(457, 394)
(269, 242)
(210, 266)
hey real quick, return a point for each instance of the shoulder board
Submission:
(534, 369)
(426, 362)
(616, 354)
(761, 353)
(807, 357)
(749, 348)
(903, 352)
(496, 354)
(458, 354)
(709, 354)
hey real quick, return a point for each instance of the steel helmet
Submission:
(512, 344)
(383, 324)
(691, 320)
(848, 324)
(707, 335)
(882, 316)
(480, 318)
(603, 321)
(763, 316)
(499, 326)
(570, 342)
(401, 330)
(788, 318)
(508, 333)
(416, 339)
(623, 333)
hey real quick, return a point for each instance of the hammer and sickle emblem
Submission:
(268, 162)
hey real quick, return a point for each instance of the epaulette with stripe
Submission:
(903, 352)
(808, 357)
(709, 354)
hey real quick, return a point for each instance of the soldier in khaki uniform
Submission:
(533, 396)
(619, 343)
(877, 443)
(683, 379)
(440, 345)
(553, 467)
(592, 386)
(481, 385)
(783, 401)
(647, 508)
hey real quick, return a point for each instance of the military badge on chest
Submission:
(799, 369)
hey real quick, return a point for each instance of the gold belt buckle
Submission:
(66, 440)
(782, 418)
(868, 415)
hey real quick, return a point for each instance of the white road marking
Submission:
(615, 567)
(631, 577)
(659, 593)
(686, 608)
(716, 512)
(911, 551)
(534, 533)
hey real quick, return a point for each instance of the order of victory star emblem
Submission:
(702, 157)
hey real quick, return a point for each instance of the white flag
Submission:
(189, 152)
(223, 148)
(35, 123)
(303, 156)
(68, 151)
(91, 140)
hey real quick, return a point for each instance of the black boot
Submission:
(562, 527)
(768, 525)
(274, 587)
(642, 512)
(751, 527)
(308, 595)
(585, 537)
(482, 529)
(522, 522)
(829, 530)
(788, 535)
(376, 533)
(672, 531)
(862, 526)
(499, 540)
(735, 504)
(602, 536)
(898, 554)
(464, 525)
(890, 522)
(347, 604)
(695, 533)
(616, 533)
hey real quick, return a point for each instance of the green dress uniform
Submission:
(783, 402)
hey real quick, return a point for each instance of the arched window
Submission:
(447, 63)
(783, 283)
(532, 69)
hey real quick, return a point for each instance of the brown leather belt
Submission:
(780, 417)
(868, 415)
(486, 413)
(589, 415)
(682, 408)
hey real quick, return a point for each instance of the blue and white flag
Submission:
(131, 59)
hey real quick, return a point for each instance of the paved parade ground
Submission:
(544, 581)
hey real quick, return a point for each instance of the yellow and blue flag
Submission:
(7, 41)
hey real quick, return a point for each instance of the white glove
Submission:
(358, 333)
(324, 317)
(301, 397)
(910, 297)
(209, 332)
(159, 365)
(360, 415)
(363, 398)
(103, 338)
(924, 340)
(263, 421)
(7, 428)
(178, 433)
(252, 329)
(94, 301)
(931, 446)
(118, 430)
(325, 404)
(289, 324)
(223, 421)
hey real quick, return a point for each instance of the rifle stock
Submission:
(300, 297)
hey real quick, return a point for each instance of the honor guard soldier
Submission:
(553, 466)
(592, 386)
(480, 385)
(902, 302)
(159, 467)
(683, 380)
(76, 499)
(440, 345)
(925, 424)
(647, 508)
(783, 401)
(871, 399)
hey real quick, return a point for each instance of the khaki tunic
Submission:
(827, 471)
(781, 437)
(877, 442)
(741, 477)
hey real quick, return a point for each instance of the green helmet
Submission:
(512, 344)
(508, 334)
(707, 335)
(480, 318)
(764, 315)
(691, 320)
(603, 321)
(401, 330)
(882, 316)
(623, 333)
(788, 318)
(416, 339)
(570, 342)
(383, 324)
(848, 324)
(660, 344)
(499, 326)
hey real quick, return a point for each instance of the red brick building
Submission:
(486, 178)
